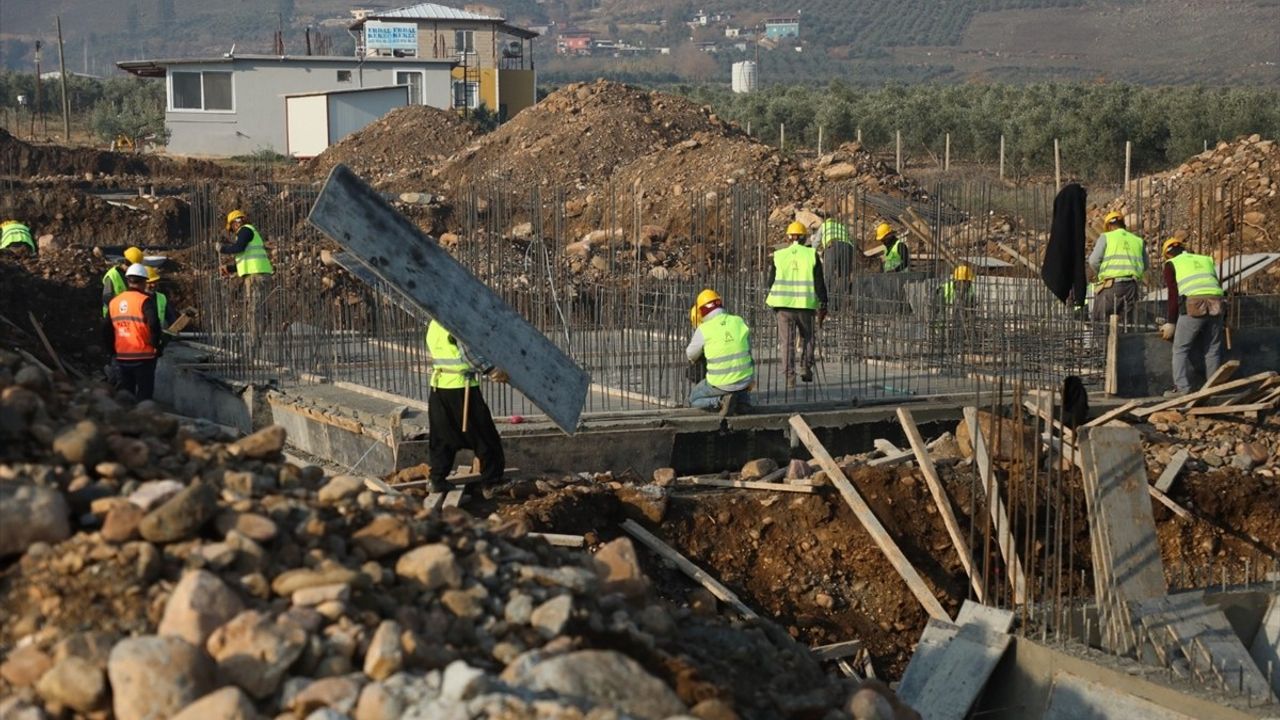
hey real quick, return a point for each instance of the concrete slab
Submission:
(1265, 649)
(1074, 698)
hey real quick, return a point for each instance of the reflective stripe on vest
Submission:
(15, 233)
(834, 231)
(1196, 275)
(132, 336)
(727, 347)
(254, 260)
(793, 278)
(116, 278)
(893, 258)
(1123, 257)
(949, 292)
(448, 370)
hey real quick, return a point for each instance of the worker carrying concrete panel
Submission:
(1195, 313)
(724, 342)
(458, 416)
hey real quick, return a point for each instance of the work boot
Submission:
(807, 376)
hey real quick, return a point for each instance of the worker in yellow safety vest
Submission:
(163, 309)
(15, 237)
(724, 340)
(458, 416)
(833, 241)
(1195, 312)
(1119, 259)
(897, 258)
(797, 292)
(113, 281)
(251, 263)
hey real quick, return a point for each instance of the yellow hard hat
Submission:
(233, 216)
(797, 228)
(963, 273)
(883, 231)
(152, 275)
(1170, 243)
(1113, 217)
(707, 296)
(133, 255)
(693, 316)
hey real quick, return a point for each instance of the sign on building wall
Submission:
(390, 36)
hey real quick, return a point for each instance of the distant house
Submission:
(783, 27)
(731, 32)
(236, 105)
(575, 42)
(494, 59)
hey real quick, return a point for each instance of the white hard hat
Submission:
(137, 270)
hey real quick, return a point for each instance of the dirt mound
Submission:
(78, 218)
(62, 289)
(400, 150)
(24, 160)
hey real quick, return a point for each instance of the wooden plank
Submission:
(1170, 473)
(885, 447)
(1003, 531)
(1111, 379)
(1008, 250)
(901, 455)
(359, 219)
(693, 571)
(1168, 502)
(453, 498)
(940, 497)
(1230, 409)
(835, 651)
(747, 485)
(1204, 393)
(48, 347)
(962, 672)
(1113, 413)
(937, 635)
(868, 519)
(560, 540)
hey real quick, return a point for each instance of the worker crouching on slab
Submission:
(724, 340)
(459, 418)
(133, 335)
(1195, 311)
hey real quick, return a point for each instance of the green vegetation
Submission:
(1165, 124)
(132, 109)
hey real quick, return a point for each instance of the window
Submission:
(344, 76)
(209, 91)
(414, 80)
(464, 41)
(466, 94)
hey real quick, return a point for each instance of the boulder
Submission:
(756, 469)
(433, 566)
(199, 604)
(377, 703)
(229, 703)
(619, 569)
(550, 617)
(384, 657)
(24, 666)
(335, 693)
(291, 581)
(265, 443)
(598, 677)
(74, 683)
(384, 535)
(30, 514)
(461, 681)
(253, 651)
(155, 677)
(122, 522)
(182, 516)
(82, 443)
(341, 487)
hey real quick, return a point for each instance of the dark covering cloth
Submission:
(1064, 259)
(445, 439)
(1075, 402)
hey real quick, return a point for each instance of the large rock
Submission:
(31, 513)
(599, 677)
(74, 683)
(265, 443)
(1008, 438)
(82, 443)
(384, 657)
(337, 693)
(378, 703)
(550, 617)
(386, 534)
(253, 651)
(199, 604)
(646, 502)
(122, 523)
(756, 469)
(341, 488)
(291, 581)
(24, 666)
(182, 516)
(229, 703)
(154, 677)
(619, 569)
(433, 566)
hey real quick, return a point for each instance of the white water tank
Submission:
(745, 78)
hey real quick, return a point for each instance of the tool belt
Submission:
(1203, 306)
(1104, 284)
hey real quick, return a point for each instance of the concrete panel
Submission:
(1265, 649)
(1074, 698)
(1145, 362)
(192, 393)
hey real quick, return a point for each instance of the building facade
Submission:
(494, 59)
(235, 105)
(779, 28)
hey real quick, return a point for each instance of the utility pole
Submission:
(38, 108)
(66, 104)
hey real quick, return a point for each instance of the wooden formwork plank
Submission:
(999, 516)
(869, 521)
(940, 498)
(1219, 376)
(702, 577)
(1114, 413)
(1204, 393)
(359, 219)
(1170, 472)
(746, 485)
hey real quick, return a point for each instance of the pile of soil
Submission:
(62, 288)
(77, 218)
(25, 160)
(399, 151)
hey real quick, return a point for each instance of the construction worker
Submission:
(252, 264)
(897, 258)
(113, 280)
(832, 240)
(959, 291)
(133, 335)
(956, 301)
(725, 342)
(457, 413)
(163, 309)
(15, 237)
(796, 291)
(1119, 259)
(1195, 311)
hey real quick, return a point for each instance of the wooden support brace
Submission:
(835, 651)
(747, 485)
(1221, 375)
(1114, 413)
(1204, 393)
(1111, 379)
(1004, 533)
(868, 519)
(693, 571)
(560, 540)
(1170, 473)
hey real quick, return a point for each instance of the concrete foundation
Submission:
(1144, 365)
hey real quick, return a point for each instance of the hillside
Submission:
(864, 42)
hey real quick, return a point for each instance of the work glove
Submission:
(822, 316)
(1166, 331)
(499, 376)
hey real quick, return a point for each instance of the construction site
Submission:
(936, 526)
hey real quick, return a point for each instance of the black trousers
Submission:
(446, 438)
(138, 377)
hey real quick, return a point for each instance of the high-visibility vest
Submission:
(833, 231)
(254, 260)
(793, 278)
(162, 304)
(893, 257)
(118, 285)
(949, 292)
(1196, 275)
(14, 233)
(1123, 257)
(133, 337)
(727, 347)
(448, 370)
